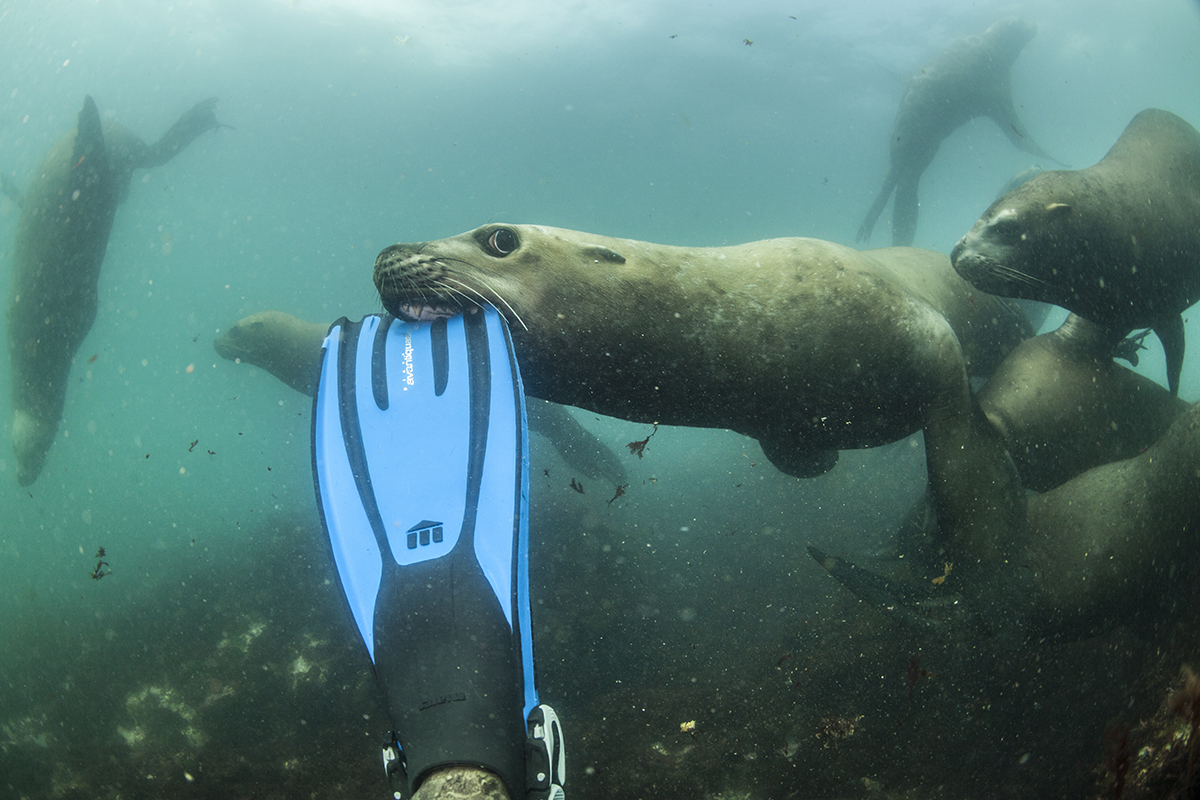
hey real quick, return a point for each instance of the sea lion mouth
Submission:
(419, 287)
(425, 310)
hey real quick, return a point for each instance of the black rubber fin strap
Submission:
(440, 344)
(347, 387)
(379, 383)
(479, 374)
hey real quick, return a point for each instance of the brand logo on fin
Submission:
(423, 533)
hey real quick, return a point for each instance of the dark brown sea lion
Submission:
(62, 235)
(290, 349)
(803, 344)
(970, 79)
(1102, 549)
(1117, 243)
(1106, 543)
(1064, 406)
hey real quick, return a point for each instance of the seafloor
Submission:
(242, 678)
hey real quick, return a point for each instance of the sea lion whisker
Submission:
(1018, 275)
(454, 292)
(496, 294)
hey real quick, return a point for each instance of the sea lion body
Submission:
(1106, 543)
(1117, 243)
(1064, 406)
(970, 79)
(290, 349)
(62, 235)
(805, 345)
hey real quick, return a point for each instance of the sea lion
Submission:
(803, 344)
(290, 349)
(1064, 406)
(1106, 543)
(62, 235)
(1098, 551)
(970, 79)
(1117, 243)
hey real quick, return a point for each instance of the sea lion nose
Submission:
(957, 250)
(389, 257)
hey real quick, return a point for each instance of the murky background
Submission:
(217, 660)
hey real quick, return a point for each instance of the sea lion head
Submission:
(1026, 245)
(511, 267)
(1010, 35)
(31, 443)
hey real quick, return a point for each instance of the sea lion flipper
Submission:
(1021, 139)
(1170, 333)
(578, 446)
(90, 157)
(790, 454)
(868, 223)
(195, 121)
(910, 603)
(10, 190)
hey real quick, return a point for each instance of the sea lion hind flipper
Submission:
(1170, 332)
(881, 199)
(792, 457)
(195, 121)
(912, 604)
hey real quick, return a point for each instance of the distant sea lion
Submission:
(62, 235)
(1117, 243)
(1064, 406)
(805, 345)
(290, 349)
(970, 79)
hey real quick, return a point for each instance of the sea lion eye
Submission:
(503, 241)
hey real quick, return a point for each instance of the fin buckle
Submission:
(545, 756)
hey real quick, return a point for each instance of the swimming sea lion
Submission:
(1097, 551)
(805, 345)
(62, 235)
(1064, 406)
(290, 349)
(970, 79)
(1106, 543)
(285, 346)
(1117, 243)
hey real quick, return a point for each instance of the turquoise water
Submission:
(358, 124)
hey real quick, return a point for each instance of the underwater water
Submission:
(216, 659)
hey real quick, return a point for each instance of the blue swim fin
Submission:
(421, 462)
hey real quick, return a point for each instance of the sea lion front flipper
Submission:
(790, 455)
(195, 121)
(1005, 117)
(1170, 332)
(10, 190)
(578, 446)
